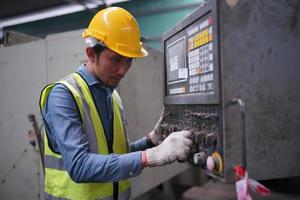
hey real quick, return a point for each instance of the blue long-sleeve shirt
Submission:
(66, 135)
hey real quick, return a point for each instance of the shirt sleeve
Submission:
(140, 145)
(66, 135)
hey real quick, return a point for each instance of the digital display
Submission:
(189, 60)
(176, 66)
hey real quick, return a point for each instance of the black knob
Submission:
(200, 137)
(210, 139)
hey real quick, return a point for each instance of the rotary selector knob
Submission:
(199, 158)
(176, 128)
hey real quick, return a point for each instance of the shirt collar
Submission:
(91, 79)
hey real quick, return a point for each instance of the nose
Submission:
(122, 69)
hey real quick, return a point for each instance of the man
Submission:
(86, 151)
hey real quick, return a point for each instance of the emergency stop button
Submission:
(214, 163)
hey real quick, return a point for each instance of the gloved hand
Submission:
(156, 134)
(175, 147)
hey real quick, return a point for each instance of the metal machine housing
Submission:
(254, 51)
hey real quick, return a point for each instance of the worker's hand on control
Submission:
(175, 147)
(155, 135)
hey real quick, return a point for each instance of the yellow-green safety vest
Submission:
(58, 184)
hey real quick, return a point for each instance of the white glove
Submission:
(175, 147)
(156, 134)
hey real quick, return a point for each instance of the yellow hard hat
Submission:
(118, 30)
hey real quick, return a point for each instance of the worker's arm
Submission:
(141, 144)
(67, 137)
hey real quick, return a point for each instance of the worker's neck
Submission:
(90, 68)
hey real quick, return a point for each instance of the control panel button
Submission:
(210, 163)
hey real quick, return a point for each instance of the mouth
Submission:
(117, 78)
(114, 82)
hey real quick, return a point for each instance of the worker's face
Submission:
(110, 67)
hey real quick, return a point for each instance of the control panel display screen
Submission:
(190, 61)
(176, 66)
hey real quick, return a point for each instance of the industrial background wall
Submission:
(22, 74)
(26, 68)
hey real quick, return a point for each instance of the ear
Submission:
(90, 54)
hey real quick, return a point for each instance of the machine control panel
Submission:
(204, 122)
(214, 87)
(192, 93)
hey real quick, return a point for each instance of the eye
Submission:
(116, 59)
(121, 59)
(129, 60)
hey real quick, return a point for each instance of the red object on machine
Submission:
(243, 183)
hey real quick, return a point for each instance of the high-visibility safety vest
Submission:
(58, 184)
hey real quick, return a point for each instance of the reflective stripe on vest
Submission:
(58, 184)
(122, 196)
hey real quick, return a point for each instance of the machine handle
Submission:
(241, 104)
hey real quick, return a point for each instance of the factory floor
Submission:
(286, 189)
(174, 188)
(210, 189)
(158, 193)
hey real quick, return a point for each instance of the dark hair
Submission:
(98, 48)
